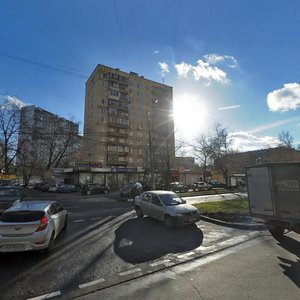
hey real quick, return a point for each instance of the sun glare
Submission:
(190, 116)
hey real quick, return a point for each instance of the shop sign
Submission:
(123, 170)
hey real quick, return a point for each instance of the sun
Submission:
(190, 116)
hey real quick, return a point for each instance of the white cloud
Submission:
(229, 107)
(284, 99)
(206, 68)
(155, 52)
(164, 68)
(183, 69)
(216, 58)
(244, 141)
(12, 101)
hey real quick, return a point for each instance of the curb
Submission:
(253, 226)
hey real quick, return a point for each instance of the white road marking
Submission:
(186, 254)
(46, 296)
(161, 262)
(99, 218)
(130, 272)
(84, 285)
(77, 221)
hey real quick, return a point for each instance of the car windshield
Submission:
(171, 199)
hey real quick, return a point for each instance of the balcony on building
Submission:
(117, 134)
(115, 124)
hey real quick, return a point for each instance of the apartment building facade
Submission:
(46, 137)
(127, 120)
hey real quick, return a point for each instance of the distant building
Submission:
(188, 171)
(235, 163)
(124, 114)
(44, 134)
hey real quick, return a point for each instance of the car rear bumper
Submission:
(37, 241)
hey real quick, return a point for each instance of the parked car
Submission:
(39, 185)
(178, 187)
(31, 225)
(167, 207)
(8, 195)
(201, 186)
(66, 188)
(94, 188)
(45, 187)
(78, 187)
(131, 190)
(217, 184)
(53, 188)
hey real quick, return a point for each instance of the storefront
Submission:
(115, 177)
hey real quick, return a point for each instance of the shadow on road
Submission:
(291, 268)
(142, 240)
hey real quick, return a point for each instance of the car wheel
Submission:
(88, 192)
(66, 223)
(51, 244)
(139, 212)
(169, 222)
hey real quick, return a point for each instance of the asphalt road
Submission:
(104, 245)
(261, 268)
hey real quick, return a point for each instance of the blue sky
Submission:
(235, 62)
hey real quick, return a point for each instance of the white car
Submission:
(167, 207)
(31, 225)
(201, 186)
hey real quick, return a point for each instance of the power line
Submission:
(69, 72)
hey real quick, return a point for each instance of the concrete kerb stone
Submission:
(237, 225)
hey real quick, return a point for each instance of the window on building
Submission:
(114, 93)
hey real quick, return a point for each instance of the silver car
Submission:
(166, 206)
(31, 225)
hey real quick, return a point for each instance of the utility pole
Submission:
(150, 153)
(154, 101)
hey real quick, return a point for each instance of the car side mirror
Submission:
(184, 201)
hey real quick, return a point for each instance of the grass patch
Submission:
(229, 207)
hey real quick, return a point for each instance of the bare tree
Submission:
(286, 139)
(203, 150)
(220, 150)
(27, 165)
(61, 145)
(9, 130)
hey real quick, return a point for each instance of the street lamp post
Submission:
(154, 101)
